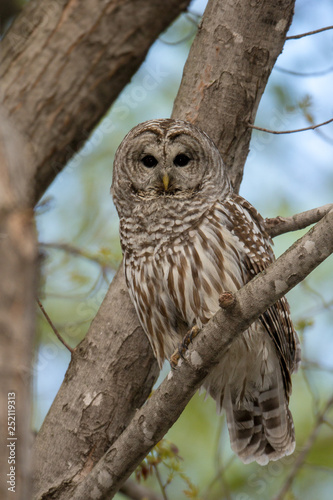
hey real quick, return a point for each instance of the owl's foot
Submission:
(183, 346)
(226, 300)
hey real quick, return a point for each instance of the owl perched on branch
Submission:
(186, 239)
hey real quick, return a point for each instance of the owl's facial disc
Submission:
(165, 178)
(167, 166)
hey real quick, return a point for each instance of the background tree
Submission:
(235, 77)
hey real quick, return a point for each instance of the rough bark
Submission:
(97, 399)
(82, 454)
(281, 225)
(167, 403)
(227, 72)
(63, 64)
(18, 270)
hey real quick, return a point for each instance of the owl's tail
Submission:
(261, 428)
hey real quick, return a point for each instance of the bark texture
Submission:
(117, 318)
(97, 399)
(18, 270)
(65, 61)
(227, 72)
(167, 403)
(280, 225)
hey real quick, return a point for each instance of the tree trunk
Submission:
(63, 64)
(90, 49)
(98, 397)
(227, 72)
(80, 446)
(18, 272)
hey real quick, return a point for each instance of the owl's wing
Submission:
(247, 225)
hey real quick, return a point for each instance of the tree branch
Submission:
(296, 37)
(163, 408)
(55, 331)
(280, 225)
(107, 380)
(91, 48)
(305, 450)
(76, 251)
(227, 70)
(113, 369)
(279, 132)
(18, 283)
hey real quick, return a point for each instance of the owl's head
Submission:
(168, 159)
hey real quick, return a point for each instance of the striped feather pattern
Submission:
(182, 248)
(178, 286)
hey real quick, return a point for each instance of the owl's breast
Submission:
(152, 228)
(199, 265)
(175, 281)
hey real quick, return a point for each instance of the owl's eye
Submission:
(149, 161)
(181, 160)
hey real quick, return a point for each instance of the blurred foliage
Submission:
(80, 252)
(166, 454)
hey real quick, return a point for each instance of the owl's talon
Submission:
(174, 360)
(182, 350)
(183, 346)
(193, 333)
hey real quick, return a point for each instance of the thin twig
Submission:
(296, 37)
(94, 289)
(328, 423)
(217, 453)
(178, 42)
(277, 132)
(312, 391)
(220, 472)
(312, 365)
(280, 225)
(48, 319)
(323, 136)
(307, 447)
(321, 468)
(73, 250)
(194, 22)
(181, 40)
(299, 73)
(160, 482)
(136, 491)
(220, 466)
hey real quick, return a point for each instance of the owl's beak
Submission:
(166, 181)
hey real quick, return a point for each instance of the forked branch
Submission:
(164, 407)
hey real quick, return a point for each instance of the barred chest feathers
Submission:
(186, 238)
(176, 275)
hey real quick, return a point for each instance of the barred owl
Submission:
(186, 238)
